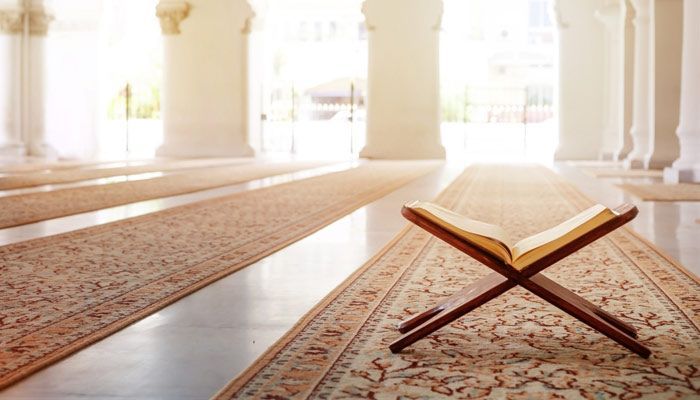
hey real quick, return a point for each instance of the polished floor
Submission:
(191, 348)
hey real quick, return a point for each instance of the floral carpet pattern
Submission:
(61, 293)
(516, 346)
(39, 206)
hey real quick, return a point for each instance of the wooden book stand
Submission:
(507, 277)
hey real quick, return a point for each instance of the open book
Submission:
(493, 238)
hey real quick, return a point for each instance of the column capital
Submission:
(257, 15)
(609, 15)
(641, 11)
(557, 16)
(171, 13)
(39, 20)
(11, 21)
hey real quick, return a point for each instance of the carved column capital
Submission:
(609, 15)
(557, 15)
(171, 13)
(39, 20)
(641, 9)
(11, 21)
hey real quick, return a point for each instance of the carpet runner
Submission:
(82, 174)
(35, 165)
(61, 293)
(516, 346)
(26, 208)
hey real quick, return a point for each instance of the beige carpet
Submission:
(39, 206)
(514, 347)
(623, 173)
(81, 174)
(63, 292)
(34, 165)
(664, 192)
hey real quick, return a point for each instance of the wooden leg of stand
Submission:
(485, 283)
(585, 315)
(574, 298)
(475, 295)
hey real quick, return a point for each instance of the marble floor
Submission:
(191, 348)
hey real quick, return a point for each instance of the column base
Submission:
(607, 156)
(567, 155)
(418, 153)
(43, 150)
(13, 150)
(202, 151)
(657, 164)
(633, 163)
(678, 175)
(621, 155)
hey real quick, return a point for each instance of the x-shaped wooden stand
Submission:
(507, 277)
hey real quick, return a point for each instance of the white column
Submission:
(665, 70)
(205, 77)
(11, 27)
(609, 16)
(640, 108)
(35, 68)
(687, 167)
(626, 68)
(256, 71)
(403, 95)
(581, 79)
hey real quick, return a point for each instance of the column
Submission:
(581, 79)
(665, 70)
(640, 108)
(34, 110)
(205, 77)
(687, 167)
(256, 71)
(403, 94)
(609, 16)
(626, 68)
(11, 27)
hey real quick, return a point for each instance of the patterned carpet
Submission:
(516, 346)
(81, 174)
(664, 192)
(61, 293)
(38, 206)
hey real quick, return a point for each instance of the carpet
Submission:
(34, 165)
(81, 174)
(61, 293)
(623, 173)
(516, 346)
(664, 192)
(23, 209)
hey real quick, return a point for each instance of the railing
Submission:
(295, 121)
(498, 105)
(132, 108)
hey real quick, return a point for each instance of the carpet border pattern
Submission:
(623, 240)
(319, 220)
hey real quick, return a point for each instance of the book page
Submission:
(532, 248)
(487, 236)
